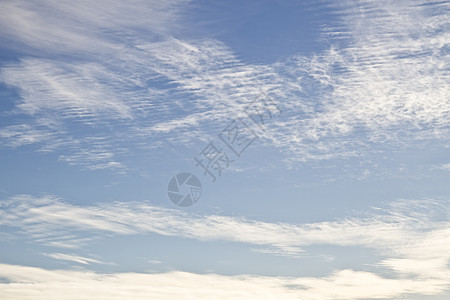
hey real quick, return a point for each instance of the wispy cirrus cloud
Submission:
(387, 85)
(386, 82)
(411, 235)
(84, 27)
(23, 134)
(74, 70)
(73, 258)
(65, 89)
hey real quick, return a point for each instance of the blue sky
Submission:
(344, 194)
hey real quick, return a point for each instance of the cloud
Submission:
(25, 282)
(387, 85)
(382, 81)
(445, 167)
(93, 153)
(78, 68)
(154, 262)
(132, 87)
(412, 235)
(65, 27)
(73, 258)
(23, 134)
(71, 89)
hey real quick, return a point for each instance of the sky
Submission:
(224, 149)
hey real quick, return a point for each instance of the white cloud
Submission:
(73, 258)
(23, 134)
(26, 282)
(67, 27)
(74, 68)
(154, 262)
(445, 167)
(71, 90)
(93, 153)
(409, 234)
(387, 85)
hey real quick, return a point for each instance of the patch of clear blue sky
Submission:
(262, 31)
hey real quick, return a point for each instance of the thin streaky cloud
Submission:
(73, 258)
(389, 82)
(404, 232)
